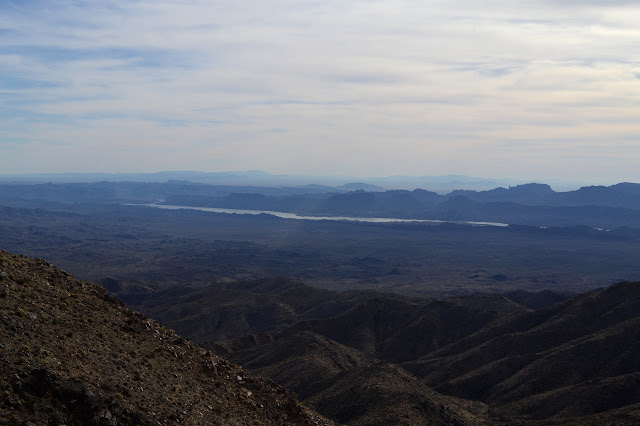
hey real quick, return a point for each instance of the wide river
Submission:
(295, 216)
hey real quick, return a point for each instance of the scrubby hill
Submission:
(302, 360)
(72, 354)
(367, 358)
(215, 313)
(401, 330)
(576, 358)
(385, 394)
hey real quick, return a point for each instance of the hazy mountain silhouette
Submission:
(530, 204)
(256, 177)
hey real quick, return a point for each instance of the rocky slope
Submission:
(72, 354)
(580, 357)
(515, 358)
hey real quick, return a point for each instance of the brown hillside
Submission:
(572, 361)
(385, 394)
(302, 361)
(578, 358)
(71, 354)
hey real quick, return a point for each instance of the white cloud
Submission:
(363, 87)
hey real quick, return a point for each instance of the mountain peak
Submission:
(537, 188)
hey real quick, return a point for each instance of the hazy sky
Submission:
(539, 89)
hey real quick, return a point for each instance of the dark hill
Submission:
(575, 358)
(513, 301)
(354, 186)
(400, 330)
(620, 195)
(298, 359)
(384, 394)
(530, 193)
(221, 312)
(345, 384)
(522, 357)
(536, 300)
(493, 302)
(72, 354)
(534, 194)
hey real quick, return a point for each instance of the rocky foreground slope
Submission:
(71, 354)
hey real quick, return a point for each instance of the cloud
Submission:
(429, 85)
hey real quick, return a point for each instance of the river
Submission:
(298, 217)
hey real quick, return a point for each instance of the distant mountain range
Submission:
(604, 207)
(440, 184)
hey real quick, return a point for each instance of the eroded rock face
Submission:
(72, 354)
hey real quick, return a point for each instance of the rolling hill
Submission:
(372, 358)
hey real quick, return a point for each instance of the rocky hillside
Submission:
(576, 359)
(72, 354)
(367, 358)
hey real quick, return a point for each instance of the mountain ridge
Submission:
(551, 362)
(528, 204)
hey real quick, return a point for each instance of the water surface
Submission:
(285, 215)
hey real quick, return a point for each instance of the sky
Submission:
(535, 89)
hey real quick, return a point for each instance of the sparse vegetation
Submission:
(74, 375)
(327, 346)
